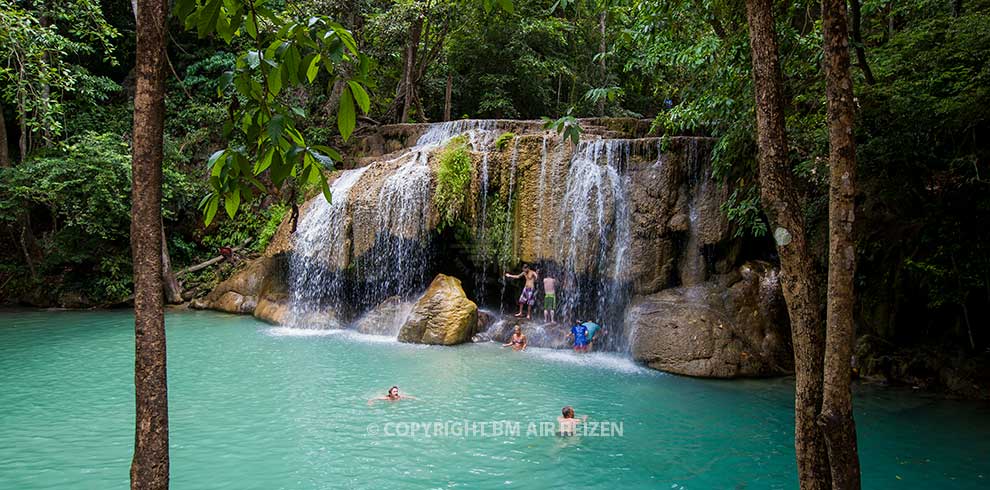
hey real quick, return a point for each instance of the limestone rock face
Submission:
(385, 319)
(735, 327)
(257, 289)
(442, 316)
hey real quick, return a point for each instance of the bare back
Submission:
(549, 285)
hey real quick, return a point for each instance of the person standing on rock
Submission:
(528, 296)
(549, 299)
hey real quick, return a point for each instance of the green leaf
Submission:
(265, 161)
(231, 202)
(211, 208)
(346, 117)
(360, 95)
(207, 21)
(506, 5)
(225, 80)
(275, 81)
(314, 68)
(253, 59)
(280, 169)
(326, 188)
(345, 37)
(252, 26)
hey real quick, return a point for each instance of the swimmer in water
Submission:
(567, 422)
(518, 340)
(392, 396)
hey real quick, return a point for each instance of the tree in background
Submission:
(150, 466)
(40, 49)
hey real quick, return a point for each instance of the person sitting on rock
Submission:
(579, 333)
(567, 422)
(392, 396)
(518, 340)
(528, 296)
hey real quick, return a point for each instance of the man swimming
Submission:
(549, 298)
(579, 333)
(567, 422)
(528, 296)
(391, 396)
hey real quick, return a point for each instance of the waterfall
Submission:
(326, 283)
(508, 214)
(594, 235)
(693, 266)
(315, 283)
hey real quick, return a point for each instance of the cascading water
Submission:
(326, 284)
(508, 211)
(320, 253)
(594, 235)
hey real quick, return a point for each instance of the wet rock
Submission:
(443, 315)
(385, 319)
(538, 334)
(710, 330)
(272, 310)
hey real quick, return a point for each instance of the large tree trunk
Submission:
(4, 150)
(409, 77)
(836, 418)
(798, 277)
(170, 285)
(150, 466)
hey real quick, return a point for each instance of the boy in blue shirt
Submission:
(580, 334)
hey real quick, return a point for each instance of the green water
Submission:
(256, 407)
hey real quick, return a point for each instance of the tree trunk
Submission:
(409, 79)
(447, 97)
(150, 466)
(798, 277)
(22, 142)
(602, 46)
(858, 38)
(4, 150)
(836, 418)
(170, 285)
(957, 8)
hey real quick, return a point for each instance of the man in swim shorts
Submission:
(580, 334)
(549, 298)
(528, 296)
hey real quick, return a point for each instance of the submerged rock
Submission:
(442, 316)
(385, 319)
(731, 328)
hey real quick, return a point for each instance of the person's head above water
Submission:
(518, 329)
(567, 412)
(393, 392)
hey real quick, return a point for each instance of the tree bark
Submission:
(836, 418)
(409, 81)
(447, 97)
(798, 277)
(858, 38)
(22, 142)
(4, 150)
(150, 466)
(170, 285)
(602, 46)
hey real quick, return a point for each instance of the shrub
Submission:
(453, 179)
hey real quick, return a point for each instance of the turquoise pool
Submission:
(258, 407)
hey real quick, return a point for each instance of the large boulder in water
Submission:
(734, 327)
(240, 292)
(442, 316)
